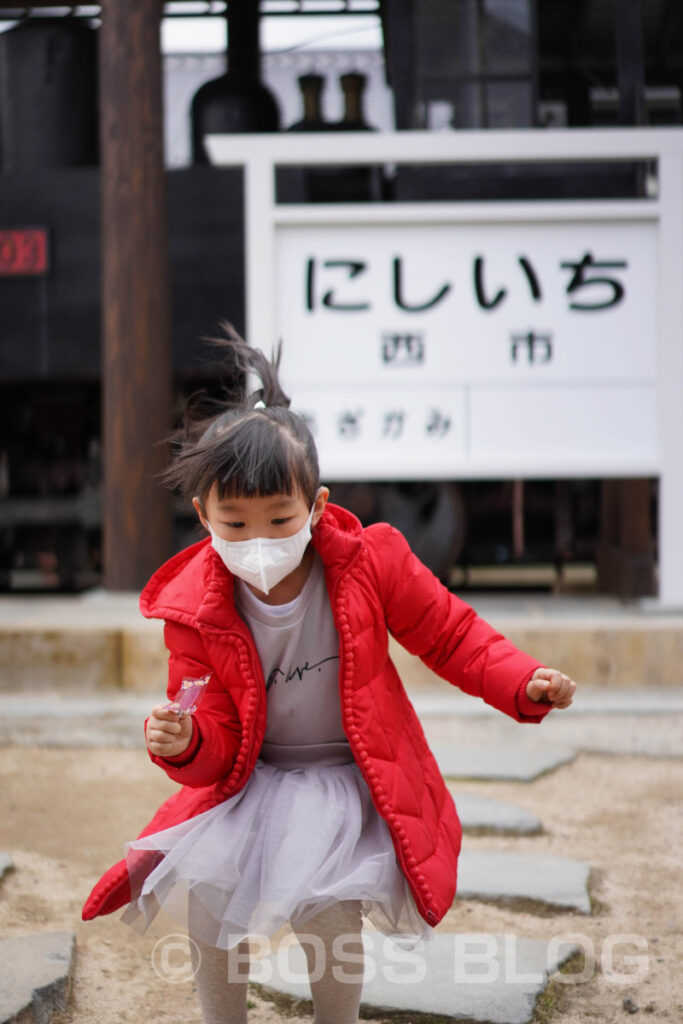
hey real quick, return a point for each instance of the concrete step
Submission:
(490, 979)
(645, 722)
(99, 639)
(79, 643)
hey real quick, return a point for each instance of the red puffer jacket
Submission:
(376, 586)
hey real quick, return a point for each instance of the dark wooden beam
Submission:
(628, 24)
(137, 362)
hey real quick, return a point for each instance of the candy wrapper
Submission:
(188, 697)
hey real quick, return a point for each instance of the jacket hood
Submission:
(192, 587)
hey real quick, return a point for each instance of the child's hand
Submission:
(167, 733)
(551, 687)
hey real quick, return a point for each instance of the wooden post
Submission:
(136, 360)
(625, 555)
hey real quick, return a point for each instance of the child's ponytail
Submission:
(253, 377)
(246, 442)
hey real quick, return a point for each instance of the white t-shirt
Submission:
(298, 646)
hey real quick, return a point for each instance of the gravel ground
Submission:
(65, 814)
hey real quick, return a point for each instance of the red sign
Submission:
(23, 252)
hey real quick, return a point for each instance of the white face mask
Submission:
(263, 561)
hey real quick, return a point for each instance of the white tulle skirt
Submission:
(290, 844)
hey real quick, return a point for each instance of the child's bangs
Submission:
(260, 460)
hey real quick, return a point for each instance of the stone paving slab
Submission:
(492, 979)
(517, 762)
(506, 876)
(482, 814)
(6, 863)
(35, 976)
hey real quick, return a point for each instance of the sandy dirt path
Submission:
(65, 814)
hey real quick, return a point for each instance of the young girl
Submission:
(309, 794)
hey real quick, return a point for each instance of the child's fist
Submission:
(551, 687)
(168, 734)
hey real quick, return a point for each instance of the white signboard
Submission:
(499, 340)
(434, 350)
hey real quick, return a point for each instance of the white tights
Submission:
(335, 970)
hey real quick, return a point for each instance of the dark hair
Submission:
(249, 443)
